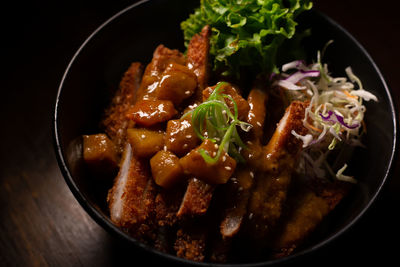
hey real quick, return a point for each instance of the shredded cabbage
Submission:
(335, 113)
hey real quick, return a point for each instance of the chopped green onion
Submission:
(215, 117)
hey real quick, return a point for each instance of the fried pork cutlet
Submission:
(131, 199)
(115, 122)
(198, 194)
(196, 199)
(190, 243)
(189, 214)
(307, 206)
(274, 177)
(240, 187)
(197, 59)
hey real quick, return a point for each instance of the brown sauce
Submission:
(165, 188)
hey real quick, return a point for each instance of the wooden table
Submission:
(41, 223)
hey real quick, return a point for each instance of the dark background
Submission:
(41, 224)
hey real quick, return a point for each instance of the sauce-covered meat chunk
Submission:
(165, 168)
(145, 143)
(148, 112)
(241, 103)
(176, 84)
(162, 57)
(99, 153)
(180, 136)
(218, 173)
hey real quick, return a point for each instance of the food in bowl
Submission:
(208, 166)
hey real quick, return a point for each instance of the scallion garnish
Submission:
(214, 120)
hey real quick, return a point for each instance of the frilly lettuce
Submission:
(245, 33)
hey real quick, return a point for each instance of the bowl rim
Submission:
(104, 221)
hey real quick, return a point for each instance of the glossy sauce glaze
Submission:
(168, 195)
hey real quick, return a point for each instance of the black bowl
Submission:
(133, 34)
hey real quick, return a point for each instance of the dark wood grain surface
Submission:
(41, 223)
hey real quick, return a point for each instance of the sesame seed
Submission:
(252, 174)
(165, 148)
(228, 168)
(192, 106)
(143, 136)
(259, 123)
(214, 154)
(223, 158)
(224, 112)
(233, 179)
(250, 216)
(188, 136)
(216, 146)
(249, 142)
(185, 145)
(187, 92)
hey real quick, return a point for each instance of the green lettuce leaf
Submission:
(246, 34)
